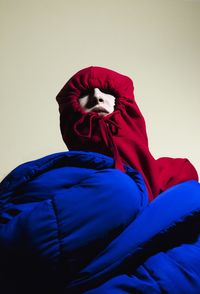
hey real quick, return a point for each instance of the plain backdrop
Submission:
(44, 42)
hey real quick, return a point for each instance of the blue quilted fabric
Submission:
(71, 223)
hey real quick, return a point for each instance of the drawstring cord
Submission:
(107, 129)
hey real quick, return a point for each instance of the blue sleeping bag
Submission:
(71, 223)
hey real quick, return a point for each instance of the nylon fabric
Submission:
(72, 223)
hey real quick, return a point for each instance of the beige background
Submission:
(156, 42)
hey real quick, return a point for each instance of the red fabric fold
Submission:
(121, 134)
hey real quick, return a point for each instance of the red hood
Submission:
(121, 134)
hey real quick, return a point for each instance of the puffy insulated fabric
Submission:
(72, 223)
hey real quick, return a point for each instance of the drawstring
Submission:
(107, 129)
